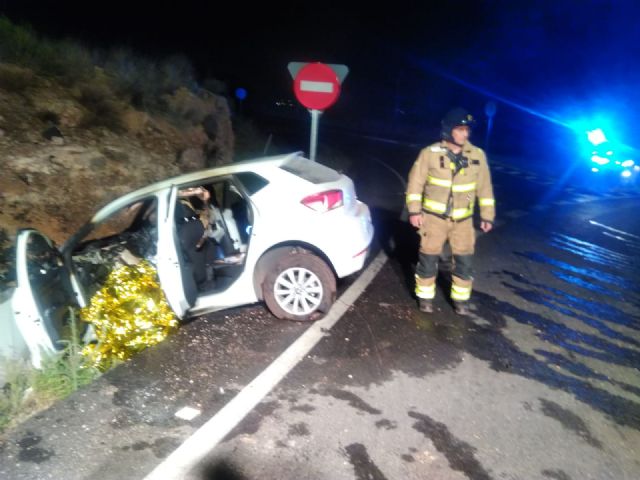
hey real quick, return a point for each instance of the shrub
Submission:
(133, 76)
(70, 62)
(144, 81)
(19, 44)
(63, 373)
(64, 59)
(103, 108)
(15, 79)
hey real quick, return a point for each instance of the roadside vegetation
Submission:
(104, 78)
(28, 390)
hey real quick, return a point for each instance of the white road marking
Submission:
(203, 440)
(606, 227)
(618, 237)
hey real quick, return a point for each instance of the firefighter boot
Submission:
(426, 305)
(461, 308)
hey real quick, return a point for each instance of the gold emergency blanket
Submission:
(129, 313)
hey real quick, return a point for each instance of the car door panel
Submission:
(44, 295)
(175, 280)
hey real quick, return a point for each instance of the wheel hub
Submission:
(298, 291)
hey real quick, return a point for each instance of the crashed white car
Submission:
(282, 228)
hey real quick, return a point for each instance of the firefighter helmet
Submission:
(455, 118)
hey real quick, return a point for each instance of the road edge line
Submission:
(208, 436)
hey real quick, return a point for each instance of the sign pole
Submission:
(317, 87)
(315, 117)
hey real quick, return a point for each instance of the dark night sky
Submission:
(558, 58)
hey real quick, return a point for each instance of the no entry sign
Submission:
(316, 86)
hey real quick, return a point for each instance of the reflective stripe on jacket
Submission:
(433, 187)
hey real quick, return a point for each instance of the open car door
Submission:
(44, 297)
(176, 280)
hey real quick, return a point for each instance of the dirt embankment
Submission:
(67, 150)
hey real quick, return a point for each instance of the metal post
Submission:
(315, 116)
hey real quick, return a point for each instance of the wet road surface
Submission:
(541, 382)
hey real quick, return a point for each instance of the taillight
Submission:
(323, 201)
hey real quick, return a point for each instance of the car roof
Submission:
(256, 165)
(253, 165)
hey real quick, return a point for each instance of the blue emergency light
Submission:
(597, 136)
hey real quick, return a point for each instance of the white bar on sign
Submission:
(311, 86)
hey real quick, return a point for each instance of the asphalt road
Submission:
(541, 382)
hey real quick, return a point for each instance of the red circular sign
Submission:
(316, 86)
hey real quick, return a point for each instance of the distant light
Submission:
(595, 169)
(609, 152)
(637, 168)
(628, 163)
(626, 174)
(596, 136)
(618, 162)
(241, 93)
(599, 160)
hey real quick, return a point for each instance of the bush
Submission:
(133, 76)
(70, 62)
(19, 44)
(67, 60)
(15, 79)
(144, 81)
(103, 108)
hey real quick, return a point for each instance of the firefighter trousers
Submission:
(434, 232)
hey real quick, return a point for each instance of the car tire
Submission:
(300, 286)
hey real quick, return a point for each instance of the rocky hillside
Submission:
(67, 148)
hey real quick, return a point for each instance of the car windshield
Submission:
(311, 171)
(125, 237)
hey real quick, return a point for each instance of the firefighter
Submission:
(445, 183)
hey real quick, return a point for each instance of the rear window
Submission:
(251, 182)
(313, 172)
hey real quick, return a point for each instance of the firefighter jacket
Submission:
(438, 186)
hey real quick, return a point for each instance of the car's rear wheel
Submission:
(300, 286)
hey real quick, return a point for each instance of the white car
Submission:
(283, 229)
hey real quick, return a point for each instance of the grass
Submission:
(28, 390)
